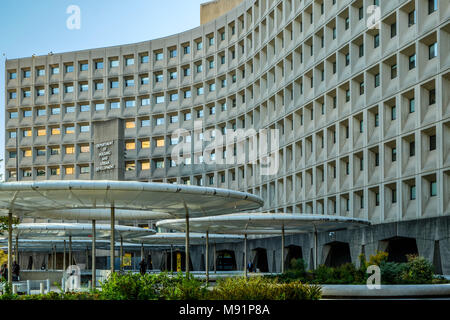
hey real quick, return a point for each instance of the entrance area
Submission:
(225, 260)
(399, 247)
(293, 252)
(177, 263)
(260, 260)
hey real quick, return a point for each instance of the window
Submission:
(431, 97)
(145, 123)
(40, 172)
(412, 105)
(145, 58)
(54, 90)
(69, 68)
(433, 189)
(394, 196)
(377, 80)
(130, 166)
(211, 41)
(212, 87)
(99, 65)
(55, 131)
(187, 94)
(40, 92)
(69, 149)
(41, 132)
(12, 95)
(129, 83)
(186, 72)
(412, 148)
(99, 86)
(432, 6)
(187, 116)
(27, 113)
(376, 40)
(186, 49)
(130, 145)
(40, 72)
(145, 80)
(69, 129)
(173, 53)
(99, 106)
(347, 95)
(160, 142)
(114, 105)
(54, 151)
(85, 148)
(393, 30)
(68, 88)
(173, 97)
(70, 109)
(393, 71)
(347, 59)
(159, 77)
(27, 153)
(393, 113)
(159, 164)
(13, 75)
(130, 103)
(159, 99)
(159, 56)
(334, 33)
(41, 112)
(84, 67)
(26, 93)
(361, 88)
(432, 51)
(412, 193)
(412, 18)
(412, 61)
(54, 70)
(347, 23)
(84, 169)
(84, 128)
(200, 91)
(159, 121)
(433, 142)
(12, 134)
(84, 87)
(173, 75)
(199, 68)
(361, 50)
(211, 64)
(199, 45)
(69, 170)
(394, 154)
(377, 199)
(114, 63)
(27, 74)
(129, 61)
(114, 84)
(145, 144)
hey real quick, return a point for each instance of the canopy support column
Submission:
(207, 257)
(112, 240)
(187, 240)
(54, 257)
(215, 258)
(142, 251)
(121, 253)
(171, 258)
(282, 249)
(245, 255)
(70, 251)
(64, 256)
(94, 271)
(10, 247)
(17, 248)
(316, 262)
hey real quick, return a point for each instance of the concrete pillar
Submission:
(112, 240)
(121, 253)
(282, 249)
(207, 257)
(70, 251)
(316, 255)
(187, 239)
(10, 247)
(245, 255)
(171, 258)
(64, 256)
(142, 251)
(215, 258)
(17, 249)
(94, 234)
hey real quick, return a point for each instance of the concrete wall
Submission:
(214, 9)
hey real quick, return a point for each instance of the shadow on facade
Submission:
(293, 252)
(338, 254)
(260, 260)
(399, 247)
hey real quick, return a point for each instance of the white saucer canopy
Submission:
(37, 197)
(266, 223)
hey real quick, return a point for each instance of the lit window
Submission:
(160, 142)
(85, 148)
(130, 145)
(145, 144)
(69, 150)
(27, 153)
(130, 124)
(130, 166)
(55, 171)
(26, 133)
(41, 132)
(145, 165)
(69, 129)
(69, 170)
(56, 131)
(54, 151)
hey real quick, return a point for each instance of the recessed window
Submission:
(412, 148)
(129, 83)
(145, 123)
(69, 129)
(130, 103)
(412, 18)
(41, 132)
(145, 101)
(412, 193)
(173, 53)
(432, 142)
(99, 86)
(69, 170)
(69, 68)
(159, 56)
(173, 97)
(376, 40)
(130, 166)
(433, 189)
(145, 144)
(173, 75)
(145, 80)
(12, 75)
(431, 97)
(159, 99)
(377, 80)
(129, 61)
(84, 169)
(114, 63)
(393, 113)
(159, 121)
(412, 105)
(54, 70)
(68, 88)
(394, 196)
(393, 30)
(69, 149)
(186, 49)
(145, 58)
(412, 61)
(393, 71)
(432, 6)
(99, 65)
(84, 128)
(84, 87)
(160, 142)
(85, 148)
(432, 51)
(130, 145)
(394, 154)
(55, 131)
(114, 84)
(84, 67)
(40, 72)
(99, 106)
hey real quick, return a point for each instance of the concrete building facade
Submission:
(359, 95)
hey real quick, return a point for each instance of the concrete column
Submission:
(17, 249)
(187, 240)
(64, 256)
(121, 253)
(245, 255)
(142, 251)
(171, 258)
(112, 240)
(70, 251)
(54, 257)
(215, 258)
(93, 255)
(207, 257)
(10, 247)
(282, 249)
(316, 263)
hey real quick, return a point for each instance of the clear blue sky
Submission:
(39, 26)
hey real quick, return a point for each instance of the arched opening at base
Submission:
(260, 261)
(399, 247)
(293, 252)
(225, 260)
(338, 254)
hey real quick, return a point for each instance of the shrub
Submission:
(378, 258)
(129, 287)
(391, 272)
(418, 270)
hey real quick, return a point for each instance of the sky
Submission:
(30, 27)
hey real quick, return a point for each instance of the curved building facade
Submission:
(357, 94)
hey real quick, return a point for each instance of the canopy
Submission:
(75, 230)
(179, 238)
(264, 223)
(26, 197)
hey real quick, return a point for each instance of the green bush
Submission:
(418, 270)
(259, 288)
(392, 272)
